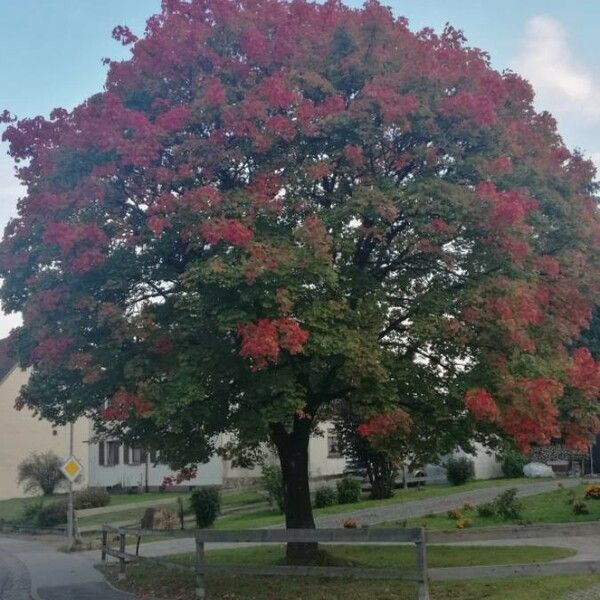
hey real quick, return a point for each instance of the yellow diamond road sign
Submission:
(72, 468)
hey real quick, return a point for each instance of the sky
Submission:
(51, 51)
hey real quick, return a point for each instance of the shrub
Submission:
(460, 470)
(206, 504)
(167, 519)
(486, 510)
(454, 514)
(350, 523)
(348, 490)
(592, 492)
(54, 513)
(463, 523)
(41, 473)
(512, 464)
(93, 497)
(468, 507)
(273, 484)
(31, 512)
(580, 508)
(325, 496)
(508, 506)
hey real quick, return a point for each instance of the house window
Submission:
(136, 456)
(333, 444)
(112, 453)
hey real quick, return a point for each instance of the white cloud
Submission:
(562, 83)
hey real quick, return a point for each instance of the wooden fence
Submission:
(262, 536)
(419, 537)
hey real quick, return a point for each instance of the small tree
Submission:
(380, 468)
(41, 473)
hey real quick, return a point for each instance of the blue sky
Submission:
(50, 55)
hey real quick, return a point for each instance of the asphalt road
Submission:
(30, 570)
(15, 583)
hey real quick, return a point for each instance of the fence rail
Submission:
(421, 538)
(261, 536)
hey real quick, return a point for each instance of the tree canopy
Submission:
(273, 207)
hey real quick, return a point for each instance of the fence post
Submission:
(421, 547)
(199, 569)
(122, 556)
(104, 545)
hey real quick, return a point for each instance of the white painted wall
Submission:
(321, 463)
(22, 434)
(209, 474)
(486, 463)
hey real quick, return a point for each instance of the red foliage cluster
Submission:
(482, 405)
(533, 417)
(584, 375)
(185, 474)
(123, 404)
(386, 424)
(231, 231)
(263, 340)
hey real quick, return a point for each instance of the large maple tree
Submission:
(276, 207)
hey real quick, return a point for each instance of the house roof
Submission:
(7, 362)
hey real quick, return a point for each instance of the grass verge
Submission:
(548, 507)
(150, 580)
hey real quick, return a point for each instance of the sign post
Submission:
(71, 469)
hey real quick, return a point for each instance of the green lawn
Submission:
(125, 505)
(549, 507)
(150, 580)
(385, 557)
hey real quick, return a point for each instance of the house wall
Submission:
(321, 463)
(22, 434)
(486, 464)
(128, 475)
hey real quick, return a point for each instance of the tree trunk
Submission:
(293, 456)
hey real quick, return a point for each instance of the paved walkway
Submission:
(31, 570)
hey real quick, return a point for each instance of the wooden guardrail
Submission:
(419, 537)
(261, 536)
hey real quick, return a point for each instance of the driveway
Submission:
(31, 570)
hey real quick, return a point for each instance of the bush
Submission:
(325, 496)
(580, 508)
(167, 519)
(460, 470)
(592, 492)
(486, 510)
(92, 497)
(348, 490)
(206, 504)
(41, 473)
(350, 523)
(53, 514)
(507, 505)
(454, 514)
(31, 512)
(512, 464)
(273, 484)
